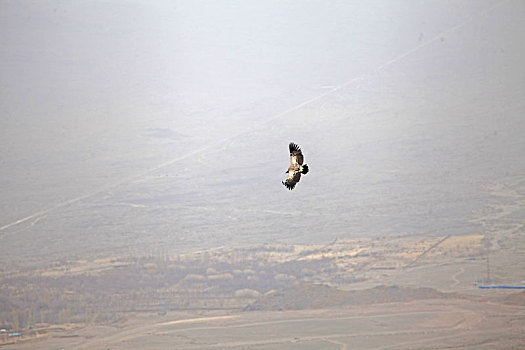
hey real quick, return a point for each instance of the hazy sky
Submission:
(132, 125)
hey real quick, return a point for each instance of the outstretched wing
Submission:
(292, 179)
(296, 156)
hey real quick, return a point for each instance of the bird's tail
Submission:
(305, 169)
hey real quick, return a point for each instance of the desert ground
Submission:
(407, 292)
(376, 293)
(422, 324)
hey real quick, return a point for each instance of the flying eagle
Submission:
(296, 167)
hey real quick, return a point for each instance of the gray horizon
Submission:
(129, 127)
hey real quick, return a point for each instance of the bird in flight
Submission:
(296, 167)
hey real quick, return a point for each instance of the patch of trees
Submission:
(231, 280)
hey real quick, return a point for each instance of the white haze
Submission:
(129, 127)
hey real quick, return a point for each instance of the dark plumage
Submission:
(296, 167)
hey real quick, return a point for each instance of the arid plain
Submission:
(406, 292)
